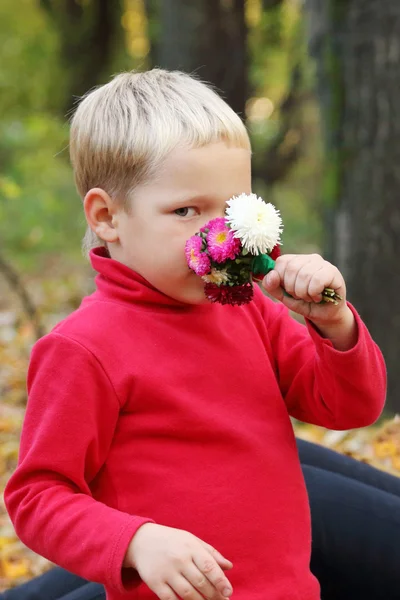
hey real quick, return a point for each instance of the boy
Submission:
(157, 445)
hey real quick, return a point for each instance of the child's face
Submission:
(191, 188)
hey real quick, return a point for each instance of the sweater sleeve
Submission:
(322, 385)
(71, 416)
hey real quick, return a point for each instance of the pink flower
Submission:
(197, 260)
(226, 294)
(220, 241)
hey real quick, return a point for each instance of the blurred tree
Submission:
(89, 33)
(356, 44)
(36, 186)
(207, 37)
(16, 284)
(30, 77)
(217, 39)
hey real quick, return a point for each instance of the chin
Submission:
(195, 299)
(198, 301)
(195, 296)
(193, 291)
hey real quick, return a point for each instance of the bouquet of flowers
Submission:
(228, 252)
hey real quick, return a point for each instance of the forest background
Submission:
(316, 83)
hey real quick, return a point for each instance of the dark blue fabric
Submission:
(56, 584)
(314, 455)
(355, 512)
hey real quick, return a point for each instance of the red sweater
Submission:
(142, 409)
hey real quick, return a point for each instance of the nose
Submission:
(214, 215)
(220, 211)
(217, 211)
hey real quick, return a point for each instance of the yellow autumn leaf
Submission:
(13, 567)
(385, 449)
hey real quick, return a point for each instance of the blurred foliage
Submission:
(40, 212)
(36, 190)
(30, 71)
(284, 115)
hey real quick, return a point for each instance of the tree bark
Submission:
(207, 37)
(357, 48)
(88, 34)
(14, 280)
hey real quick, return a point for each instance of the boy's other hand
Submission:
(304, 277)
(174, 563)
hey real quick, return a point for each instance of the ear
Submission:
(100, 214)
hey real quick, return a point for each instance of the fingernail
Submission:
(227, 592)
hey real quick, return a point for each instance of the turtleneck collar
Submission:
(116, 281)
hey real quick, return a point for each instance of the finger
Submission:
(315, 295)
(274, 279)
(183, 588)
(272, 283)
(302, 282)
(298, 306)
(291, 272)
(200, 582)
(165, 592)
(208, 566)
(283, 258)
(324, 277)
(221, 560)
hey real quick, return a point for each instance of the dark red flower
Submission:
(234, 295)
(275, 252)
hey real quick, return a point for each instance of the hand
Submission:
(173, 563)
(304, 277)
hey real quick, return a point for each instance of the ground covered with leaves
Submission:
(58, 296)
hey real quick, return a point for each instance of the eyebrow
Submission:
(197, 197)
(187, 199)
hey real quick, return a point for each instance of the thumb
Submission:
(271, 283)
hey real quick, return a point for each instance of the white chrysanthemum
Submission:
(257, 224)
(216, 276)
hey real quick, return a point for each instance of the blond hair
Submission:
(122, 131)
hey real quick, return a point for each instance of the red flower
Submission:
(234, 295)
(275, 252)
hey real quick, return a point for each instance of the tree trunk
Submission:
(88, 33)
(207, 37)
(357, 47)
(16, 284)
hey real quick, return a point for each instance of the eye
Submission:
(184, 211)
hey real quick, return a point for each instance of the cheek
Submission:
(168, 250)
(175, 249)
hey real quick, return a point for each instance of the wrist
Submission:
(130, 558)
(342, 331)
